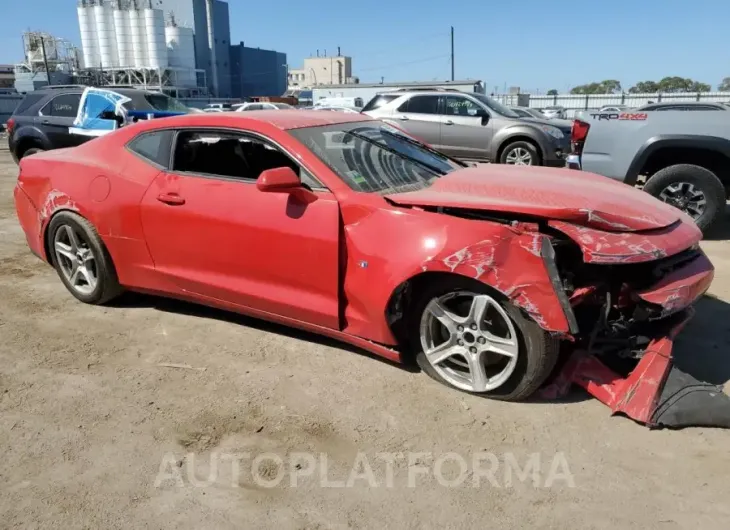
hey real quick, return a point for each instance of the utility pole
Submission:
(45, 61)
(452, 53)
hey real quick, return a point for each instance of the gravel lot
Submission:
(88, 418)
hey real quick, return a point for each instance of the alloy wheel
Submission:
(469, 340)
(75, 259)
(685, 196)
(519, 156)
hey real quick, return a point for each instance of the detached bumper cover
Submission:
(656, 392)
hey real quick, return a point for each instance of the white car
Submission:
(264, 105)
(555, 111)
(337, 109)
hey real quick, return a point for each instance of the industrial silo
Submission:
(89, 43)
(123, 34)
(154, 21)
(107, 35)
(139, 38)
(181, 53)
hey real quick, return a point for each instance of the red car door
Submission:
(213, 233)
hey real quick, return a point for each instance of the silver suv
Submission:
(473, 127)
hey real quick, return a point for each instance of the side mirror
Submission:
(108, 115)
(284, 180)
(280, 179)
(485, 119)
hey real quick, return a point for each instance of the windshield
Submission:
(373, 157)
(148, 101)
(495, 106)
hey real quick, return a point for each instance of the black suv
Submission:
(42, 120)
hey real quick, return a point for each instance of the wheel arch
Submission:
(405, 295)
(663, 151)
(518, 137)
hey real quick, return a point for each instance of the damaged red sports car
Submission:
(347, 227)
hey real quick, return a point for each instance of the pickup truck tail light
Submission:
(10, 125)
(578, 135)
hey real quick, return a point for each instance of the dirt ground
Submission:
(89, 418)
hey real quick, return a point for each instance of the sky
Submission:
(535, 45)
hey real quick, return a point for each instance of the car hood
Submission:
(563, 125)
(576, 197)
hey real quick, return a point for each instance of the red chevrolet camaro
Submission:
(347, 227)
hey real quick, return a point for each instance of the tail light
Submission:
(10, 125)
(578, 134)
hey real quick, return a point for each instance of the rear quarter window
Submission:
(29, 101)
(153, 146)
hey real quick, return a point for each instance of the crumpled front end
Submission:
(630, 297)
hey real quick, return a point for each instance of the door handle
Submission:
(448, 122)
(172, 199)
(404, 118)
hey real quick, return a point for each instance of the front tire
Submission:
(520, 153)
(467, 337)
(693, 189)
(31, 151)
(81, 260)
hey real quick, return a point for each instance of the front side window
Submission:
(373, 157)
(461, 106)
(153, 146)
(421, 105)
(230, 155)
(496, 106)
(63, 106)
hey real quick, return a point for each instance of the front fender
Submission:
(386, 247)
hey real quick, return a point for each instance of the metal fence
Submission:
(577, 102)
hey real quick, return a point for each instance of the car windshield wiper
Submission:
(424, 165)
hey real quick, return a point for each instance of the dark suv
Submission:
(42, 120)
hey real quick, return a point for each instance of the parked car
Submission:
(527, 112)
(531, 114)
(219, 107)
(354, 230)
(263, 106)
(614, 108)
(473, 127)
(337, 109)
(682, 157)
(216, 109)
(42, 120)
(683, 105)
(555, 112)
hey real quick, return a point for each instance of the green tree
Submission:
(724, 85)
(609, 86)
(552, 92)
(644, 87)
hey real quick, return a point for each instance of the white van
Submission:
(355, 103)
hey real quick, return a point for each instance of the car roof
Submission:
(285, 120)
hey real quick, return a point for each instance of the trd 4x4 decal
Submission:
(619, 116)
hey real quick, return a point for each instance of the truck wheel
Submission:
(693, 189)
(520, 153)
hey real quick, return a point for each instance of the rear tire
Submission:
(678, 184)
(521, 153)
(536, 351)
(31, 151)
(81, 260)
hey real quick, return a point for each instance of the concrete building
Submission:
(334, 70)
(7, 76)
(257, 72)
(194, 14)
